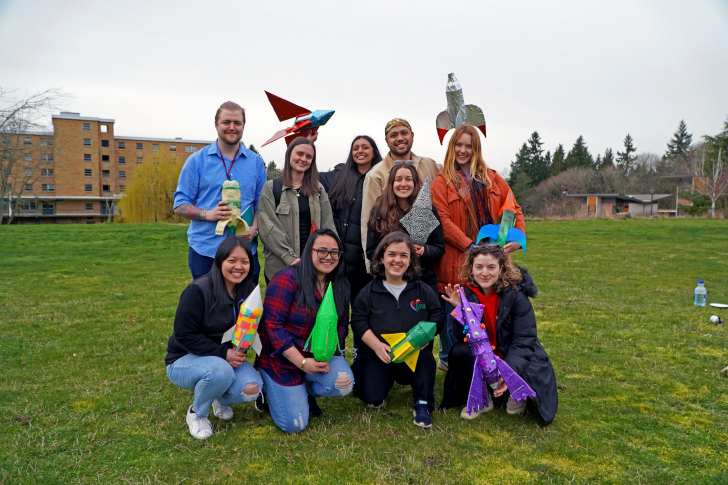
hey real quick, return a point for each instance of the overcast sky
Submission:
(600, 69)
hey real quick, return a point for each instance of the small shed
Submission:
(611, 205)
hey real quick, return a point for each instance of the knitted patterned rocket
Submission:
(488, 366)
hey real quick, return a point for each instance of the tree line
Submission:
(541, 180)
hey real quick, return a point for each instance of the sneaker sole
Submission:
(422, 425)
(444, 369)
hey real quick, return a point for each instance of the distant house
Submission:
(613, 205)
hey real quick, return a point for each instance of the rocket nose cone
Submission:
(429, 328)
(321, 117)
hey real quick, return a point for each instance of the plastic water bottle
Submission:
(701, 294)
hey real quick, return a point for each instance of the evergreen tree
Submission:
(579, 155)
(252, 149)
(272, 171)
(522, 190)
(537, 168)
(608, 160)
(681, 142)
(519, 165)
(625, 158)
(557, 164)
(598, 162)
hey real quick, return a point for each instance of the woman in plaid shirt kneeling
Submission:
(293, 379)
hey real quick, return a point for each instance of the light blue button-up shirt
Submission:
(200, 184)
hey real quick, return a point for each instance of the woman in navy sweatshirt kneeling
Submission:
(197, 359)
(394, 302)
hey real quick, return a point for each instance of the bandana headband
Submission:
(396, 121)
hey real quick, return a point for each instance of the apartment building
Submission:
(84, 169)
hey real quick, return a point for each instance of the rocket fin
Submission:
(411, 361)
(518, 388)
(518, 236)
(285, 110)
(443, 125)
(474, 116)
(393, 338)
(489, 231)
(279, 134)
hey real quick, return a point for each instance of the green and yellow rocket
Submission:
(406, 346)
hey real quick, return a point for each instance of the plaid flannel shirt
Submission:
(286, 323)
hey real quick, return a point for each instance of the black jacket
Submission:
(377, 310)
(516, 338)
(434, 249)
(348, 226)
(198, 329)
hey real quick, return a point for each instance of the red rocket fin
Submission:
(481, 128)
(285, 110)
(441, 133)
(300, 132)
(279, 134)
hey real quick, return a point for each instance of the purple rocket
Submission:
(488, 366)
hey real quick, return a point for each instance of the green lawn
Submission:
(85, 313)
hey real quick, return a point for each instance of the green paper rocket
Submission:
(231, 194)
(324, 339)
(406, 347)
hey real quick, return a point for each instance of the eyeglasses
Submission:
(324, 253)
(406, 162)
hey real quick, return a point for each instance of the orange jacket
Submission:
(453, 212)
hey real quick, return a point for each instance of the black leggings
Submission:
(373, 379)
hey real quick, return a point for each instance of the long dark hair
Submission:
(310, 183)
(219, 293)
(344, 189)
(386, 212)
(377, 266)
(308, 277)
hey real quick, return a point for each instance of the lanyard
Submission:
(232, 162)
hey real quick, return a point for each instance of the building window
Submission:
(46, 172)
(140, 159)
(27, 141)
(47, 187)
(121, 145)
(8, 187)
(28, 205)
(105, 158)
(190, 148)
(155, 147)
(140, 146)
(87, 142)
(29, 187)
(87, 172)
(173, 148)
(88, 188)
(86, 157)
(122, 160)
(122, 188)
(104, 128)
(46, 157)
(173, 160)
(28, 157)
(87, 127)
(47, 208)
(104, 143)
(46, 142)
(89, 206)
(122, 174)
(28, 172)
(155, 161)
(106, 188)
(105, 174)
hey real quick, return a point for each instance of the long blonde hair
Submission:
(477, 164)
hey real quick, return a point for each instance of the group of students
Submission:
(341, 229)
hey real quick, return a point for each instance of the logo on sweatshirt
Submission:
(417, 306)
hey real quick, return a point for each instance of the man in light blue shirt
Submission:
(199, 198)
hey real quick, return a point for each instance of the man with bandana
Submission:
(399, 136)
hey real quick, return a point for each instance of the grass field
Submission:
(85, 313)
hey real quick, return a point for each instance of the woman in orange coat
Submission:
(467, 195)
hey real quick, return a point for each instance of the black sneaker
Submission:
(260, 404)
(313, 408)
(422, 415)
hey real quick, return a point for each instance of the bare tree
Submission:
(20, 164)
(712, 176)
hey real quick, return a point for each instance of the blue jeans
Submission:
(201, 265)
(289, 404)
(213, 378)
(446, 337)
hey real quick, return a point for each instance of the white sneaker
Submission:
(464, 413)
(200, 428)
(513, 407)
(221, 411)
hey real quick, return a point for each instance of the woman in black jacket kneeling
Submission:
(508, 318)
(197, 358)
(394, 302)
